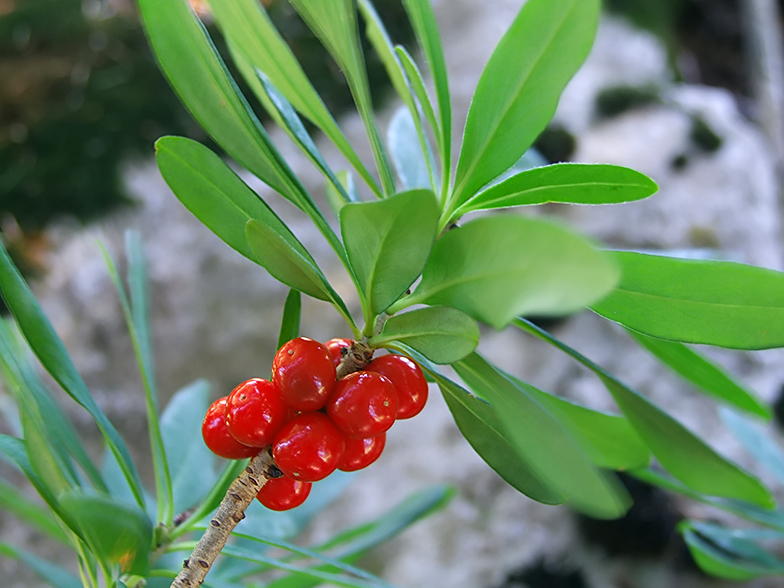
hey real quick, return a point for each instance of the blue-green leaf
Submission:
(406, 151)
(53, 574)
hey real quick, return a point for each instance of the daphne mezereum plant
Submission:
(426, 272)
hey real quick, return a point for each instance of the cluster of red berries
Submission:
(314, 422)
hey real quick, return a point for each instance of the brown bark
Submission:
(230, 512)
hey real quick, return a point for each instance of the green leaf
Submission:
(608, 440)
(727, 554)
(339, 198)
(215, 194)
(44, 459)
(757, 442)
(335, 24)
(703, 373)
(200, 78)
(519, 88)
(480, 425)
(51, 573)
(116, 533)
(684, 454)
(712, 302)
(289, 324)
(495, 268)
(21, 379)
(573, 183)
(423, 20)
(192, 464)
(406, 151)
(388, 243)
(440, 333)
(31, 513)
(51, 352)
(248, 28)
(544, 443)
(284, 261)
(414, 78)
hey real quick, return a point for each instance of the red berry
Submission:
(217, 437)
(308, 447)
(283, 493)
(334, 346)
(408, 379)
(305, 373)
(256, 412)
(363, 404)
(360, 453)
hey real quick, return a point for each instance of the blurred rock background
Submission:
(666, 91)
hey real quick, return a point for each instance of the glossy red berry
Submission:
(408, 379)
(305, 373)
(363, 404)
(308, 447)
(335, 346)
(360, 453)
(217, 437)
(256, 412)
(283, 493)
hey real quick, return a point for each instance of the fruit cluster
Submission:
(315, 422)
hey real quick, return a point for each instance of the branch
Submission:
(354, 358)
(230, 512)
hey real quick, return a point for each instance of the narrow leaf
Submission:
(406, 151)
(756, 441)
(573, 183)
(116, 533)
(51, 352)
(31, 513)
(248, 28)
(335, 24)
(388, 243)
(414, 78)
(440, 333)
(544, 443)
(703, 373)
(51, 573)
(44, 459)
(192, 464)
(695, 301)
(289, 324)
(215, 194)
(684, 454)
(339, 198)
(519, 88)
(200, 78)
(495, 268)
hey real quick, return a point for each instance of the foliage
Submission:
(423, 274)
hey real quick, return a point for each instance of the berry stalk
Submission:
(230, 512)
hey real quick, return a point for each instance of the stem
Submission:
(230, 512)
(356, 358)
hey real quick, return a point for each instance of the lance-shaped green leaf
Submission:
(573, 183)
(695, 301)
(335, 24)
(31, 513)
(200, 78)
(703, 373)
(289, 323)
(406, 151)
(51, 352)
(215, 194)
(388, 243)
(338, 198)
(417, 83)
(423, 20)
(544, 443)
(44, 459)
(51, 573)
(730, 553)
(685, 455)
(116, 533)
(482, 428)
(519, 88)
(440, 333)
(285, 262)
(609, 440)
(192, 463)
(248, 28)
(495, 268)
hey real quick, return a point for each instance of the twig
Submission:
(354, 359)
(230, 512)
